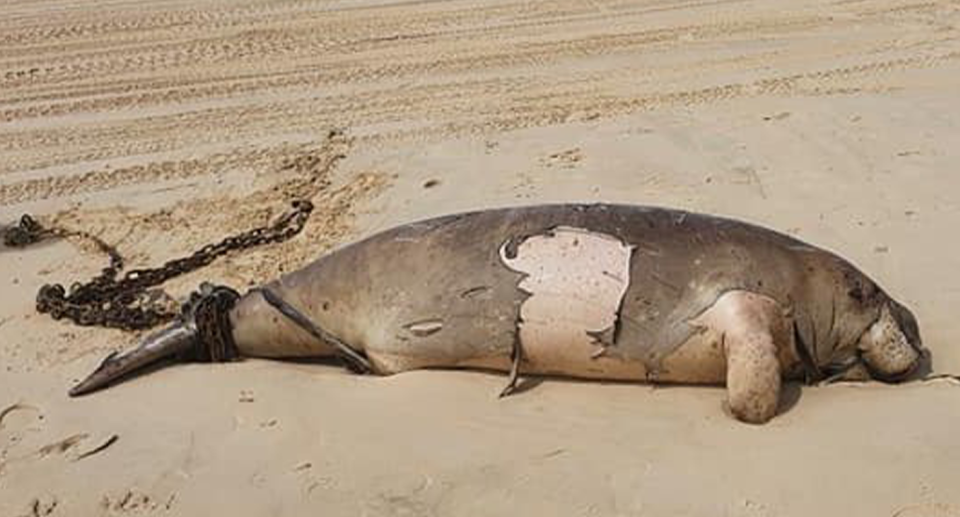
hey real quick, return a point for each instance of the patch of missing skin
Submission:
(424, 328)
(576, 280)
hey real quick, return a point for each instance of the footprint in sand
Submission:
(133, 501)
(40, 507)
(16, 421)
(564, 159)
(62, 446)
(928, 510)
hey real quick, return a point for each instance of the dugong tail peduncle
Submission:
(173, 340)
(203, 332)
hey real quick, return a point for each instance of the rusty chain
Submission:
(112, 300)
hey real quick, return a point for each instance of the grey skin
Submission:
(699, 299)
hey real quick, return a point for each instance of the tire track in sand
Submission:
(82, 88)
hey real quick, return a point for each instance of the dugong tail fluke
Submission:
(171, 341)
(201, 333)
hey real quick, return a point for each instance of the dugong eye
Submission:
(861, 289)
(856, 293)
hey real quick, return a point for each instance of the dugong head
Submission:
(891, 348)
(876, 337)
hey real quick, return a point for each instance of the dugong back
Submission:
(617, 281)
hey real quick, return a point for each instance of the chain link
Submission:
(112, 300)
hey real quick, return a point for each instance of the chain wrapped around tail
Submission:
(202, 333)
(200, 330)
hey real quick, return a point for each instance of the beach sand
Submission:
(163, 125)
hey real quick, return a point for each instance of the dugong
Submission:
(590, 291)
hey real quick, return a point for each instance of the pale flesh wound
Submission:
(576, 281)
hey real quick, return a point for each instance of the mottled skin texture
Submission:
(709, 301)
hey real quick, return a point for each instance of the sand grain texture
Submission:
(163, 125)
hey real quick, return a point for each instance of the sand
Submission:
(163, 125)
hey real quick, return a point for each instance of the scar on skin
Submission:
(425, 328)
(576, 280)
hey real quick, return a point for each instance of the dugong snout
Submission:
(891, 348)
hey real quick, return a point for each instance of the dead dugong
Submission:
(601, 291)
